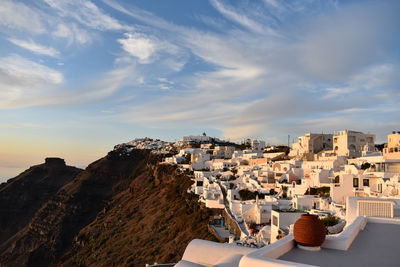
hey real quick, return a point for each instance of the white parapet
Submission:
(346, 238)
(268, 255)
(209, 253)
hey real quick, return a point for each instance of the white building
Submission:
(257, 145)
(281, 222)
(223, 152)
(260, 212)
(342, 188)
(310, 144)
(352, 143)
(212, 195)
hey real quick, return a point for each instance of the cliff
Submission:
(124, 209)
(22, 196)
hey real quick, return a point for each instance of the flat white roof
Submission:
(377, 245)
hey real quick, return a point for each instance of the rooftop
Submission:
(376, 245)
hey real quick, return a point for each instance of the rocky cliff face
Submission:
(124, 209)
(21, 197)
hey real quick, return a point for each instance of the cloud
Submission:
(139, 46)
(21, 78)
(339, 44)
(27, 72)
(262, 83)
(86, 13)
(35, 48)
(143, 16)
(269, 68)
(147, 48)
(230, 13)
(18, 16)
(72, 33)
(19, 126)
(273, 3)
(25, 83)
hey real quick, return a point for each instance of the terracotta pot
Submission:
(309, 231)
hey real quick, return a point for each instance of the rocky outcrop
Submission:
(55, 162)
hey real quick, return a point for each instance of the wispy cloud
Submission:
(27, 72)
(253, 68)
(19, 126)
(263, 83)
(35, 48)
(232, 14)
(18, 16)
(143, 16)
(86, 13)
(21, 78)
(72, 33)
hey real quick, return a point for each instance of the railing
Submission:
(375, 208)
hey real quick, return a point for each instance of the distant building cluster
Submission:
(156, 146)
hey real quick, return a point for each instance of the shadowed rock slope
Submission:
(23, 195)
(123, 210)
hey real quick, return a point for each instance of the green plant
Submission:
(330, 220)
(253, 226)
(320, 191)
(284, 190)
(365, 166)
(234, 170)
(245, 194)
(272, 192)
(280, 235)
(232, 178)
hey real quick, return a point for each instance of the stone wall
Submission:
(231, 224)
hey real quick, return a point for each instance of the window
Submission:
(365, 182)
(380, 188)
(275, 220)
(355, 182)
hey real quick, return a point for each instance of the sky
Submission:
(78, 77)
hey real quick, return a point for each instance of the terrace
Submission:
(374, 246)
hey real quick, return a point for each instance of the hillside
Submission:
(124, 209)
(21, 197)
